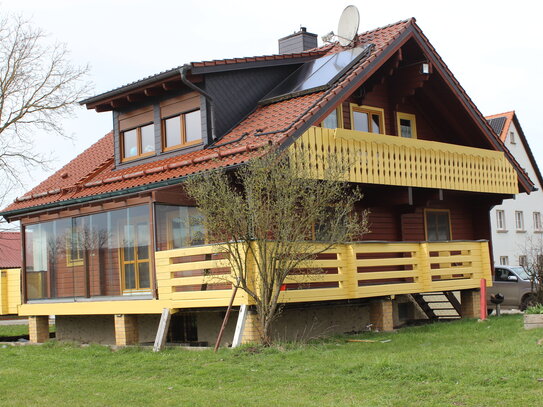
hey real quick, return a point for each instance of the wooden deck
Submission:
(390, 160)
(199, 276)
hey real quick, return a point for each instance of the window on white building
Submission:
(522, 261)
(519, 220)
(537, 222)
(504, 260)
(500, 219)
(512, 137)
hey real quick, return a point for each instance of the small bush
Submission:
(536, 309)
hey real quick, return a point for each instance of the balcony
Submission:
(10, 291)
(390, 160)
(201, 276)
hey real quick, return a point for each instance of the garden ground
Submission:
(462, 363)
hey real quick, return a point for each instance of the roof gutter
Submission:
(102, 197)
(94, 198)
(183, 71)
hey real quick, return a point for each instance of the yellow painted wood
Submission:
(475, 263)
(10, 291)
(390, 160)
(95, 308)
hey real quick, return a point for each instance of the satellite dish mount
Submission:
(348, 25)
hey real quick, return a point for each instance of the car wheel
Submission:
(528, 300)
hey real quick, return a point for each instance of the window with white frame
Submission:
(512, 137)
(500, 219)
(519, 220)
(522, 260)
(504, 260)
(537, 222)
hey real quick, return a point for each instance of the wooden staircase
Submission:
(439, 305)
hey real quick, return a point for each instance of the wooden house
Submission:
(111, 240)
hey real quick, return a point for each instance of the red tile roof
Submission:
(10, 250)
(508, 116)
(93, 172)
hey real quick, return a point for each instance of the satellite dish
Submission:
(348, 25)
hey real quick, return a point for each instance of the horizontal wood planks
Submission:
(390, 160)
(358, 270)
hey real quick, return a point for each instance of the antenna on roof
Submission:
(347, 27)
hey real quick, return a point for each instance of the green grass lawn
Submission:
(462, 363)
(17, 330)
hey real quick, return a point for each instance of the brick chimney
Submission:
(297, 42)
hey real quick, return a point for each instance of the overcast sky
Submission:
(494, 48)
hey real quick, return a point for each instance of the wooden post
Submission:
(240, 326)
(482, 299)
(161, 334)
(225, 321)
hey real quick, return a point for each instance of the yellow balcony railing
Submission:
(391, 160)
(201, 276)
(10, 291)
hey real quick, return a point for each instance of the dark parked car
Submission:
(514, 283)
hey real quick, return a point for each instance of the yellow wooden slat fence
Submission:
(357, 270)
(391, 160)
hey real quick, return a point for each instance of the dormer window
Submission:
(182, 130)
(138, 142)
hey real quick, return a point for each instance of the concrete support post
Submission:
(126, 330)
(470, 300)
(381, 315)
(251, 333)
(38, 329)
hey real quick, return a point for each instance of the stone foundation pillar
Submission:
(126, 330)
(251, 332)
(38, 329)
(381, 315)
(470, 301)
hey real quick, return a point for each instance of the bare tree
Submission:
(38, 88)
(533, 250)
(272, 220)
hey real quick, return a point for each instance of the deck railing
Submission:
(390, 160)
(10, 291)
(199, 276)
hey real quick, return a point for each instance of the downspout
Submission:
(183, 71)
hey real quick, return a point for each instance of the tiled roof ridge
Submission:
(407, 20)
(311, 52)
(504, 114)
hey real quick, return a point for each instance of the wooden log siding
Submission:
(358, 270)
(391, 160)
(10, 291)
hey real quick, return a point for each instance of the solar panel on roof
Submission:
(317, 74)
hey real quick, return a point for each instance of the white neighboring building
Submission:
(518, 220)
